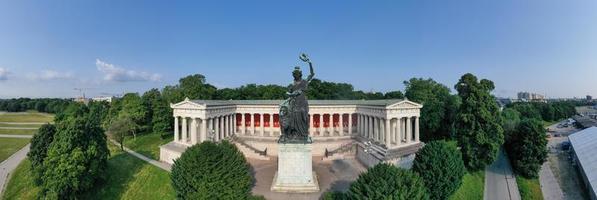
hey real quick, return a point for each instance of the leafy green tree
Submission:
(133, 107)
(441, 168)
(150, 98)
(77, 158)
(40, 143)
(162, 117)
(211, 171)
(527, 148)
(385, 181)
(510, 120)
(120, 128)
(477, 125)
(436, 100)
(394, 95)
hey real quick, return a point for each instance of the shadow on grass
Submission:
(121, 171)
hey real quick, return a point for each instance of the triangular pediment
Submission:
(187, 104)
(405, 104)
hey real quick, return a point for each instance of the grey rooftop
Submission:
(383, 102)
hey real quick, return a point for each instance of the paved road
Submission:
(24, 123)
(500, 183)
(549, 184)
(15, 136)
(19, 128)
(8, 165)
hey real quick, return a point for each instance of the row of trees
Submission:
(41, 105)
(70, 157)
(544, 111)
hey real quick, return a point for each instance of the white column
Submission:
(203, 130)
(185, 129)
(361, 125)
(252, 123)
(261, 128)
(320, 124)
(176, 128)
(341, 123)
(194, 131)
(243, 126)
(408, 130)
(271, 125)
(234, 124)
(349, 123)
(417, 129)
(226, 126)
(210, 128)
(331, 124)
(375, 129)
(311, 127)
(388, 137)
(369, 126)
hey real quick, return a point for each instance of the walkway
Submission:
(156, 163)
(24, 123)
(19, 128)
(500, 182)
(549, 185)
(15, 136)
(8, 165)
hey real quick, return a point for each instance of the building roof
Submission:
(584, 144)
(384, 102)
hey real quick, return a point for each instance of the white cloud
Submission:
(4, 74)
(52, 75)
(115, 73)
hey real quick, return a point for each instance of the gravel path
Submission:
(156, 163)
(549, 185)
(15, 136)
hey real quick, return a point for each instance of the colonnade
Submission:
(320, 125)
(193, 130)
(392, 132)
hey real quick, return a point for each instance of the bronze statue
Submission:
(294, 112)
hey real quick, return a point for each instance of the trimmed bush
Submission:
(441, 167)
(212, 171)
(386, 181)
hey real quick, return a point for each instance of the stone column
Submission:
(203, 130)
(331, 124)
(226, 125)
(408, 130)
(234, 123)
(176, 128)
(252, 123)
(417, 129)
(375, 128)
(388, 137)
(243, 126)
(311, 126)
(369, 127)
(271, 125)
(349, 123)
(194, 131)
(320, 124)
(341, 123)
(261, 128)
(210, 127)
(185, 129)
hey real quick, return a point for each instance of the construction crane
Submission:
(82, 91)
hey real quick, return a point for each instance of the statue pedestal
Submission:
(295, 169)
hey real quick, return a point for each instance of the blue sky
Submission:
(111, 47)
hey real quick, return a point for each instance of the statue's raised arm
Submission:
(305, 58)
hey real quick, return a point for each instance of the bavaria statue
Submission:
(294, 112)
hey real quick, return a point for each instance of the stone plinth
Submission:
(295, 169)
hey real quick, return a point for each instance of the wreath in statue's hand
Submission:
(304, 57)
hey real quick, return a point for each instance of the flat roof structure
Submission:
(584, 144)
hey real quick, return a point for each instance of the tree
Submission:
(40, 143)
(436, 100)
(477, 124)
(385, 181)
(162, 117)
(394, 95)
(527, 148)
(150, 99)
(211, 171)
(510, 120)
(441, 168)
(120, 128)
(77, 158)
(133, 107)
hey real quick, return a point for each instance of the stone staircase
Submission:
(346, 151)
(248, 150)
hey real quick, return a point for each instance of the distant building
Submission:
(589, 98)
(106, 99)
(584, 146)
(81, 100)
(527, 96)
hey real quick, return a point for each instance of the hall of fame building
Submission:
(372, 131)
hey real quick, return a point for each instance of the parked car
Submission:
(565, 145)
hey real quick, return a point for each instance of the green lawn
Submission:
(26, 117)
(9, 146)
(472, 186)
(147, 144)
(530, 189)
(128, 178)
(17, 132)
